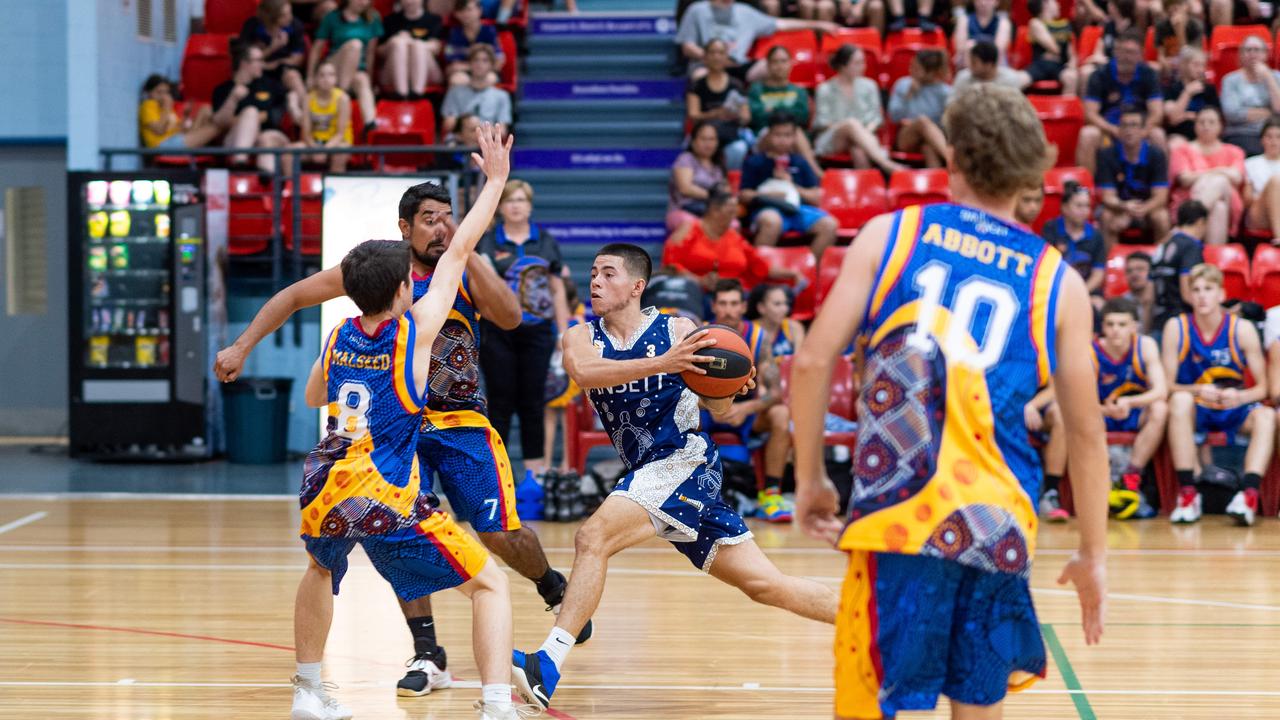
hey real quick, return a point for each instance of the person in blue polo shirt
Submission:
(1133, 181)
(1125, 80)
(782, 192)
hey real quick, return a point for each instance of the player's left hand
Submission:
(1229, 398)
(494, 158)
(1089, 575)
(817, 506)
(751, 383)
(735, 415)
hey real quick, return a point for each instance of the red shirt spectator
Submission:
(711, 248)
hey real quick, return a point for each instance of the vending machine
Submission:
(138, 352)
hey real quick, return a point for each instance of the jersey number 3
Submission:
(931, 280)
(353, 409)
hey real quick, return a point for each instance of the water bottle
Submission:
(529, 498)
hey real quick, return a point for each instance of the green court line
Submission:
(1083, 708)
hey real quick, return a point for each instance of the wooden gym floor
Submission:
(144, 607)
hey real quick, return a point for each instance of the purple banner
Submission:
(633, 159)
(606, 90)
(603, 25)
(601, 233)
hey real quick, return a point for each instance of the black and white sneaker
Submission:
(426, 673)
(553, 600)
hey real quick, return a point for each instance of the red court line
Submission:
(140, 631)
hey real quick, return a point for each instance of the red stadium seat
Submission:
(853, 197)
(1054, 180)
(227, 16)
(508, 76)
(1224, 46)
(734, 178)
(1062, 118)
(901, 47)
(842, 396)
(206, 63)
(1233, 261)
(384, 7)
(1115, 283)
(918, 187)
(311, 205)
(249, 228)
(1088, 41)
(801, 259)
(1266, 276)
(864, 37)
(1149, 46)
(829, 270)
(803, 45)
(411, 122)
(1020, 49)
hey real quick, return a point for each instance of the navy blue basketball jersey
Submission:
(453, 385)
(651, 418)
(1120, 376)
(1216, 360)
(959, 333)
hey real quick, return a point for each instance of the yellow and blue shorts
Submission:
(475, 474)
(911, 628)
(432, 556)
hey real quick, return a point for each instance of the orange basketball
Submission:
(728, 371)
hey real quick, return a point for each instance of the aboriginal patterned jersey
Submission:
(453, 386)
(1120, 376)
(784, 341)
(362, 480)
(1217, 360)
(652, 418)
(959, 334)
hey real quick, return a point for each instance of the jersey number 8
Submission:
(353, 409)
(931, 280)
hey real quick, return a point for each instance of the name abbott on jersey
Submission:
(970, 246)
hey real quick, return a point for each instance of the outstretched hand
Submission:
(494, 158)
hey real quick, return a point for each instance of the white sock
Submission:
(496, 696)
(558, 645)
(310, 673)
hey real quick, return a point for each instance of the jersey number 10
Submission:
(931, 281)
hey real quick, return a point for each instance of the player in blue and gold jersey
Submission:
(1132, 391)
(1210, 355)
(966, 315)
(362, 483)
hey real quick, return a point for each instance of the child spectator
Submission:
(282, 37)
(783, 192)
(468, 30)
(411, 40)
(327, 120)
(160, 126)
(849, 112)
(479, 97)
(349, 36)
(917, 103)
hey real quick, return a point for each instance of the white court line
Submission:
(23, 521)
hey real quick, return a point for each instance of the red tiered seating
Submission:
(842, 400)
(410, 122)
(734, 178)
(1054, 180)
(311, 206)
(206, 63)
(227, 16)
(901, 47)
(853, 197)
(801, 259)
(1062, 118)
(1233, 261)
(1224, 46)
(803, 45)
(508, 76)
(918, 187)
(581, 433)
(1266, 276)
(829, 270)
(865, 37)
(249, 228)
(1115, 283)
(1088, 41)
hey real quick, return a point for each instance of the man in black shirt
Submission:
(1133, 177)
(1125, 80)
(1173, 261)
(250, 106)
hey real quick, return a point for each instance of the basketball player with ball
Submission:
(647, 373)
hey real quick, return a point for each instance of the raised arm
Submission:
(587, 368)
(324, 285)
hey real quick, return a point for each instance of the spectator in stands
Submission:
(1053, 46)
(1209, 394)
(1211, 171)
(923, 13)
(478, 97)
(1125, 80)
(1176, 32)
(515, 361)
(1077, 239)
(1133, 181)
(984, 23)
(769, 306)
(1120, 19)
(349, 37)
(1173, 260)
(327, 120)
(499, 10)
(709, 249)
(916, 104)
(782, 191)
(762, 412)
(412, 38)
(776, 93)
(858, 13)
(468, 30)
(1137, 275)
(1187, 95)
(1089, 12)
(719, 98)
(695, 173)
(1030, 203)
(283, 40)
(1264, 181)
(160, 126)
(740, 26)
(250, 107)
(849, 112)
(1250, 95)
(984, 66)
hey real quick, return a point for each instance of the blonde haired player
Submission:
(966, 315)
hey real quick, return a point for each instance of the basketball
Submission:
(728, 372)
